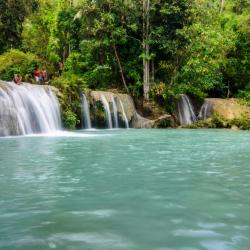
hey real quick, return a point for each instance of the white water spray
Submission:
(205, 111)
(107, 110)
(124, 114)
(86, 114)
(115, 111)
(186, 113)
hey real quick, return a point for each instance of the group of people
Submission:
(39, 75)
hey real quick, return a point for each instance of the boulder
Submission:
(227, 108)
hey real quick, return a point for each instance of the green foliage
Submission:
(206, 52)
(237, 67)
(12, 15)
(219, 122)
(52, 32)
(195, 47)
(69, 82)
(201, 124)
(70, 86)
(243, 124)
(215, 122)
(98, 77)
(70, 119)
(245, 96)
(15, 61)
(165, 96)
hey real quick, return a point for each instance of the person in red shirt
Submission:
(37, 74)
(44, 74)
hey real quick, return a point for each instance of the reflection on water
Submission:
(126, 189)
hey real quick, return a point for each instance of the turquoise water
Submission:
(126, 189)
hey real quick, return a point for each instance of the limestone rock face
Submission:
(125, 104)
(226, 108)
(126, 100)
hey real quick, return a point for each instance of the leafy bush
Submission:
(167, 96)
(69, 82)
(98, 77)
(15, 61)
(215, 122)
(219, 122)
(70, 86)
(245, 95)
(75, 63)
(164, 95)
(201, 124)
(243, 124)
(70, 119)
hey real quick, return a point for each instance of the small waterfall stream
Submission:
(28, 109)
(205, 111)
(115, 110)
(107, 110)
(85, 111)
(186, 114)
(124, 114)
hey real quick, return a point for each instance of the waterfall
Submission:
(205, 111)
(124, 114)
(115, 111)
(85, 111)
(186, 113)
(107, 110)
(28, 109)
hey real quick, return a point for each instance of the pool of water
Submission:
(126, 189)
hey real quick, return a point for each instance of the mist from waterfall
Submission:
(28, 109)
(107, 111)
(85, 111)
(115, 111)
(186, 114)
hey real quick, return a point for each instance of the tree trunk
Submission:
(222, 4)
(146, 65)
(120, 68)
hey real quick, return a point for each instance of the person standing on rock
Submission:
(37, 74)
(60, 68)
(44, 74)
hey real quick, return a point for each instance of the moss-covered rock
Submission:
(218, 121)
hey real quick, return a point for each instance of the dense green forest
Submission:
(149, 48)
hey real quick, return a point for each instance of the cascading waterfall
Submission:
(107, 111)
(124, 114)
(85, 111)
(186, 113)
(205, 111)
(28, 109)
(115, 111)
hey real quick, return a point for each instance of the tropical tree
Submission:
(12, 15)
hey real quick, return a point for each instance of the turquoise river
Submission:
(126, 189)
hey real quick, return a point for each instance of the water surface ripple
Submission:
(126, 189)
